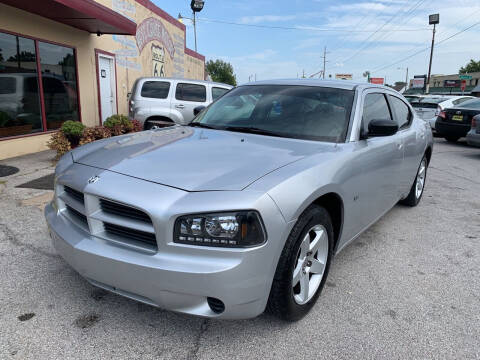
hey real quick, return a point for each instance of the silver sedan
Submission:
(244, 209)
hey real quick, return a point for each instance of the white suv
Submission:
(162, 101)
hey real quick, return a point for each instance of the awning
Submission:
(87, 15)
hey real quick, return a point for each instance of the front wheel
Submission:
(303, 266)
(418, 186)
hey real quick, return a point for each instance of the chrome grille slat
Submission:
(73, 203)
(122, 221)
(77, 195)
(122, 210)
(131, 234)
(74, 213)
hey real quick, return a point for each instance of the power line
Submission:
(305, 27)
(362, 47)
(427, 48)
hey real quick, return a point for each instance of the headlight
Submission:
(229, 229)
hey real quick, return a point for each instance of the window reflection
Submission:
(57, 64)
(19, 96)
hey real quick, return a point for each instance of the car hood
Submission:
(195, 159)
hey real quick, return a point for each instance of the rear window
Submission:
(191, 92)
(218, 92)
(155, 89)
(433, 100)
(471, 104)
(7, 85)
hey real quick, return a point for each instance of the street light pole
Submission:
(433, 19)
(195, 30)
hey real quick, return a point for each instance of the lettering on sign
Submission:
(158, 61)
(152, 29)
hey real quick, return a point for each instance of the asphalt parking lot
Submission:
(407, 288)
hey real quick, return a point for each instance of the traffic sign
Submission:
(465, 77)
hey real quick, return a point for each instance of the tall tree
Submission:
(221, 71)
(472, 66)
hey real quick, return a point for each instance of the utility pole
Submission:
(433, 19)
(406, 80)
(324, 59)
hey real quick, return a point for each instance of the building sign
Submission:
(418, 82)
(344, 76)
(152, 29)
(158, 61)
(451, 83)
(378, 81)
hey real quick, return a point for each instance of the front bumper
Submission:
(473, 138)
(176, 277)
(451, 129)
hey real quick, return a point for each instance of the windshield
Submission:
(304, 112)
(471, 104)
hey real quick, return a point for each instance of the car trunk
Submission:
(425, 110)
(460, 115)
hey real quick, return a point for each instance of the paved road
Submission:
(407, 288)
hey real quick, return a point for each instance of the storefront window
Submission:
(20, 93)
(59, 80)
(19, 96)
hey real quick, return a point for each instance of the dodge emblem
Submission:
(93, 179)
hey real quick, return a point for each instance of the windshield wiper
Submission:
(253, 130)
(199, 124)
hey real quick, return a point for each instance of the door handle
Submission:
(180, 106)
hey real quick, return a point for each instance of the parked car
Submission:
(473, 136)
(429, 107)
(161, 101)
(227, 217)
(455, 123)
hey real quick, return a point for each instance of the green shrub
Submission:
(116, 120)
(72, 129)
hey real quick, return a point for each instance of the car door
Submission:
(403, 117)
(187, 97)
(378, 162)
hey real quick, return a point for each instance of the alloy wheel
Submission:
(420, 179)
(310, 265)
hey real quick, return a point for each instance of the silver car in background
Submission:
(157, 102)
(428, 107)
(243, 209)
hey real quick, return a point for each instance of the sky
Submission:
(284, 38)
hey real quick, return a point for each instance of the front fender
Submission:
(175, 115)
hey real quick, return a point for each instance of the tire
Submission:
(148, 125)
(286, 301)
(452, 139)
(414, 196)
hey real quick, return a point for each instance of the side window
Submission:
(218, 92)
(191, 92)
(374, 107)
(401, 112)
(155, 89)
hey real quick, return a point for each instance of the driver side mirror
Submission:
(197, 110)
(380, 127)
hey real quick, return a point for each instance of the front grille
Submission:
(122, 210)
(129, 233)
(77, 195)
(76, 215)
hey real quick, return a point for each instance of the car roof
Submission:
(340, 84)
(188, 80)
